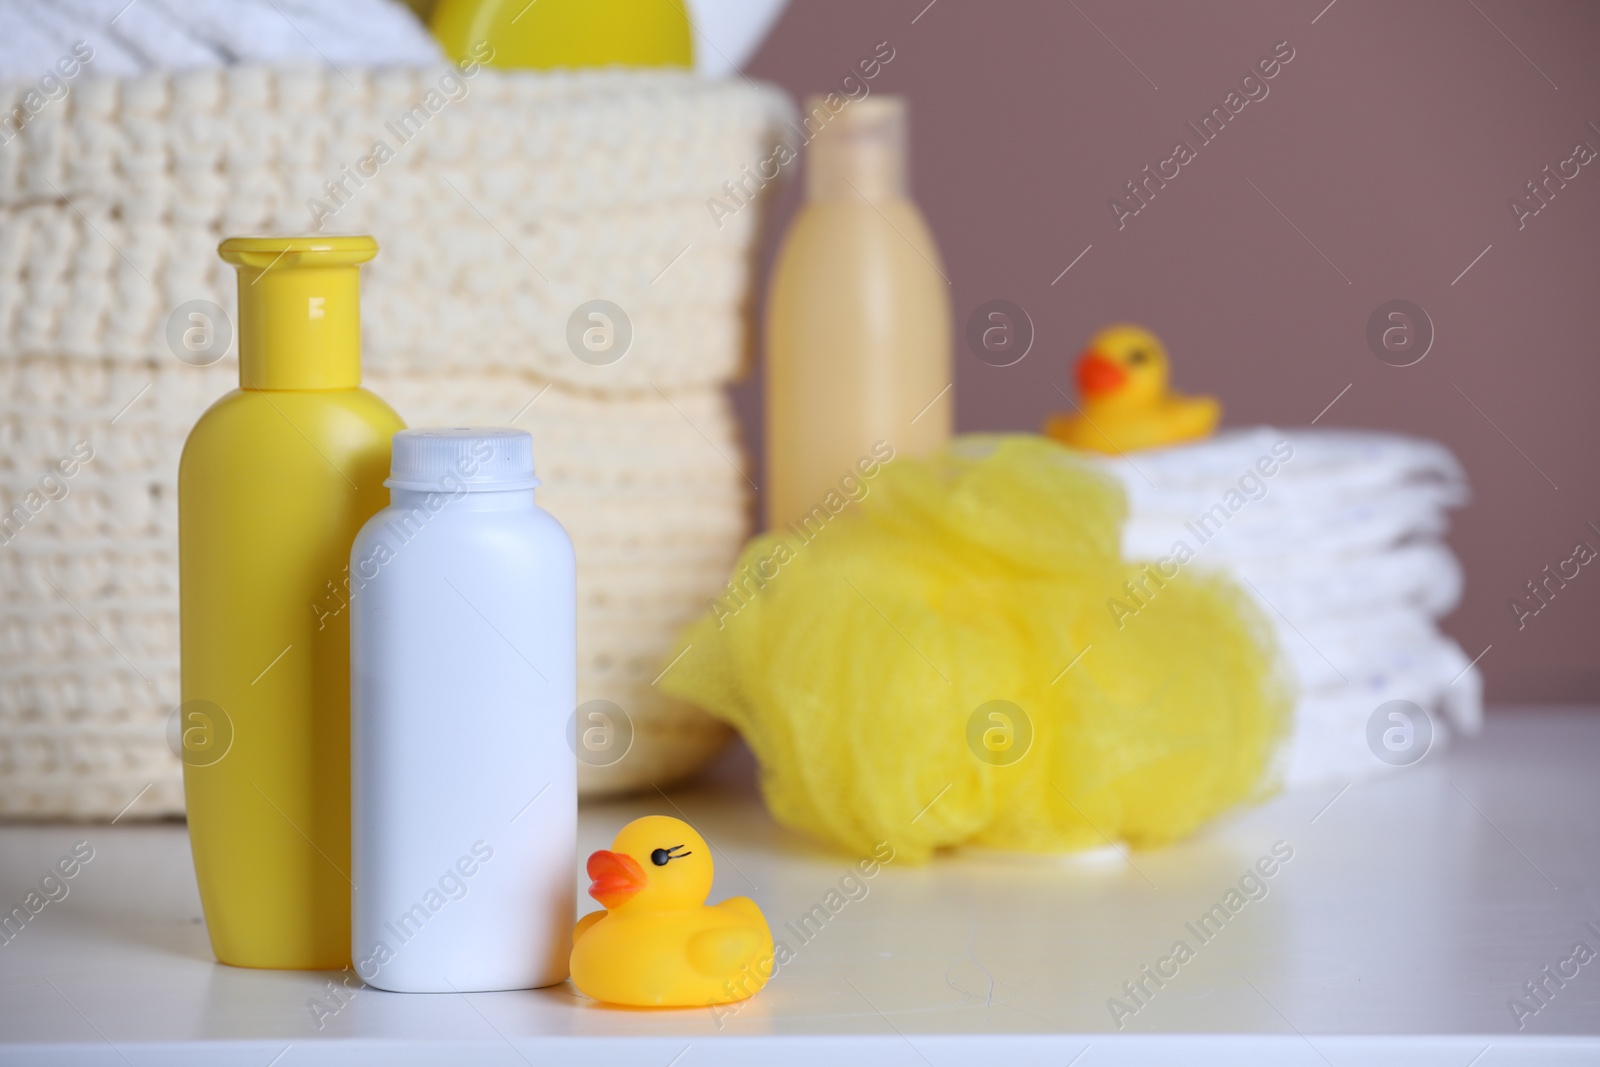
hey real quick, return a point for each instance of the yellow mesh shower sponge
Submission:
(861, 659)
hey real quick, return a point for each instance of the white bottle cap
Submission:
(457, 458)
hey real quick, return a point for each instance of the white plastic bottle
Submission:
(463, 675)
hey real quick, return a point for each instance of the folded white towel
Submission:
(1341, 542)
(1330, 736)
(148, 35)
(1330, 457)
(1423, 576)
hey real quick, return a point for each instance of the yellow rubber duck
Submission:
(657, 944)
(1122, 377)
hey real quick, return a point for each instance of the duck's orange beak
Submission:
(1098, 375)
(615, 877)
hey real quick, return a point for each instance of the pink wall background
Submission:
(1393, 140)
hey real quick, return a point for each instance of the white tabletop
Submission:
(1414, 907)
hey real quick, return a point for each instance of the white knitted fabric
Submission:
(533, 194)
(529, 196)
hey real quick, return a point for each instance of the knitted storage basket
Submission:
(512, 199)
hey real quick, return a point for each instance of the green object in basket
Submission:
(546, 34)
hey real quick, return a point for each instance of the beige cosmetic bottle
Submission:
(858, 314)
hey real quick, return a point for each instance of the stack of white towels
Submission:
(141, 36)
(1339, 535)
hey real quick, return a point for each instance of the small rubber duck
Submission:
(657, 944)
(1122, 377)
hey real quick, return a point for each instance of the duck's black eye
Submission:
(661, 855)
(1137, 356)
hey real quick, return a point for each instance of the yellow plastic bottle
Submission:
(567, 33)
(276, 479)
(858, 315)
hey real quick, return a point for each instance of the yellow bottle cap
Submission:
(299, 310)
